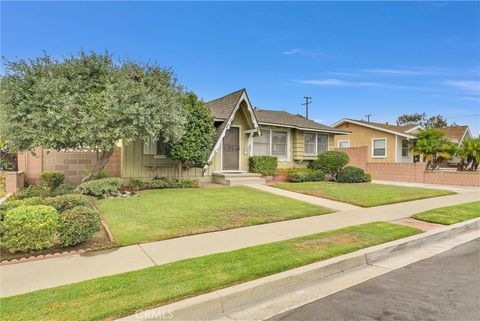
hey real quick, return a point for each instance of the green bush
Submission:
(62, 189)
(351, 174)
(135, 184)
(27, 228)
(102, 174)
(32, 191)
(167, 182)
(60, 203)
(66, 202)
(330, 162)
(306, 176)
(51, 180)
(100, 187)
(265, 165)
(78, 225)
(367, 178)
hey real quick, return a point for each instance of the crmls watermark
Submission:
(155, 314)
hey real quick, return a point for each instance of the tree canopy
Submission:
(469, 154)
(87, 100)
(436, 121)
(433, 146)
(195, 146)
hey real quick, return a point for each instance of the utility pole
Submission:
(308, 100)
(368, 117)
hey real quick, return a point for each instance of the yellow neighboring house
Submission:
(386, 143)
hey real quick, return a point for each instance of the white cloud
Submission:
(339, 82)
(301, 52)
(396, 71)
(466, 85)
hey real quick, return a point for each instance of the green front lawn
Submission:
(363, 194)
(451, 214)
(169, 213)
(123, 294)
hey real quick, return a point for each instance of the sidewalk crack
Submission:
(145, 252)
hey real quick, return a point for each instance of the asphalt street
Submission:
(443, 287)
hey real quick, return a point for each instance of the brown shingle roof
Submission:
(454, 133)
(223, 107)
(284, 118)
(396, 128)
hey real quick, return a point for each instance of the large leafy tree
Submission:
(87, 100)
(469, 154)
(436, 121)
(195, 146)
(432, 145)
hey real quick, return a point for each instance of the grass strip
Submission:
(123, 294)
(363, 194)
(450, 214)
(164, 214)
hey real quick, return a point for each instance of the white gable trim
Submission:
(373, 127)
(464, 134)
(229, 122)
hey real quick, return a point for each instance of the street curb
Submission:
(218, 302)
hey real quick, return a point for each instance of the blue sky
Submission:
(354, 59)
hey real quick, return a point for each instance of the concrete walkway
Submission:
(324, 202)
(29, 276)
(452, 188)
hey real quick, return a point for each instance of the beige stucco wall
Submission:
(362, 136)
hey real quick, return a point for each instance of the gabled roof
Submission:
(456, 133)
(403, 131)
(285, 119)
(224, 109)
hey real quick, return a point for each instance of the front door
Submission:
(231, 150)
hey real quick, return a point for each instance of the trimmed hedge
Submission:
(78, 225)
(27, 228)
(351, 174)
(32, 191)
(51, 180)
(60, 203)
(330, 162)
(306, 176)
(265, 165)
(100, 187)
(167, 182)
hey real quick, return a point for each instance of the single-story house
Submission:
(456, 134)
(386, 143)
(389, 143)
(241, 131)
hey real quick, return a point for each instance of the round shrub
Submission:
(265, 165)
(351, 174)
(306, 176)
(330, 162)
(78, 225)
(100, 187)
(62, 189)
(51, 180)
(32, 191)
(66, 202)
(27, 228)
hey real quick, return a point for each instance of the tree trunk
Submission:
(102, 161)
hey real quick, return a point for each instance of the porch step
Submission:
(235, 179)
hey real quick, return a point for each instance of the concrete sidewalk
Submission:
(319, 201)
(29, 276)
(452, 188)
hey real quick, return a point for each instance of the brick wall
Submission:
(466, 178)
(405, 172)
(358, 156)
(14, 181)
(74, 164)
(408, 172)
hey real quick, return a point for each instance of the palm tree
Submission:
(469, 154)
(432, 145)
